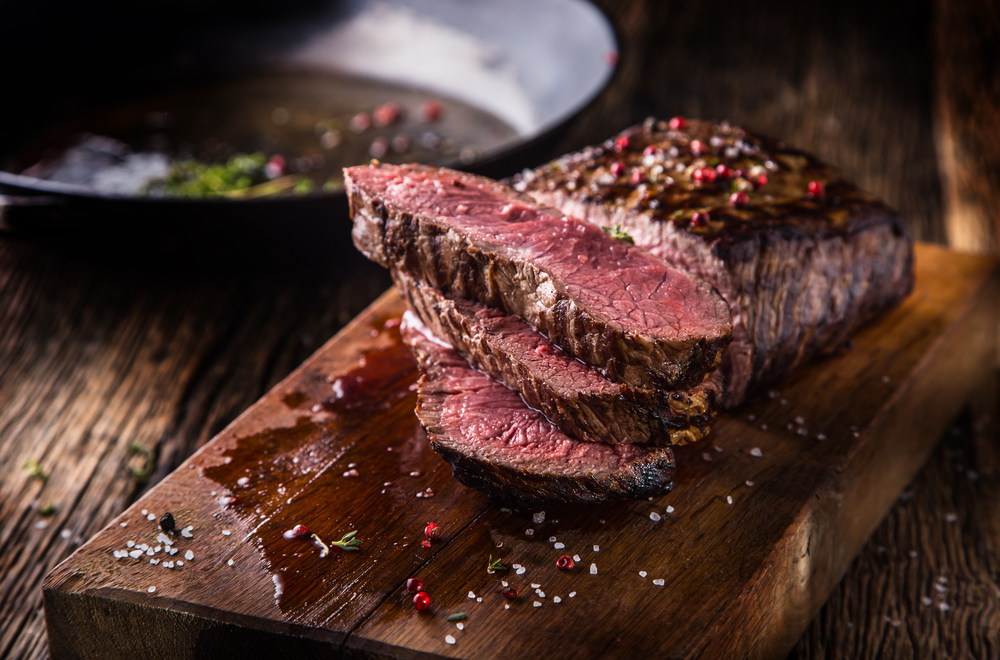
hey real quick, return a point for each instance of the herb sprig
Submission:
(619, 233)
(495, 565)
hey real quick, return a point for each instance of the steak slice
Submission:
(801, 271)
(600, 299)
(575, 397)
(511, 453)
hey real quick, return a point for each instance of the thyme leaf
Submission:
(35, 470)
(495, 565)
(619, 233)
(457, 616)
(349, 542)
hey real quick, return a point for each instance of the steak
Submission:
(802, 255)
(602, 300)
(575, 397)
(497, 445)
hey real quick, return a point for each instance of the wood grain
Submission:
(744, 576)
(858, 82)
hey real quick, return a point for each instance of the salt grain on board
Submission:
(449, 639)
(521, 570)
(536, 604)
(593, 569)
(552, 539)
(756, 452)
(556, 599)
(559, 546)
(572, 594)
(226, 532)
(654, 516)
(670, 509)
(230, 562)
(538, 518)
(150, 517)
(659, 582)
(471, 594)
(189, 555)
(729, 498)
(642, 573)
(151, 589)
(576, 557)
(597, 548)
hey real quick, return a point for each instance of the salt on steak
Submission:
(604, 301)
(802, 255)
(575, 397)
(497, 445)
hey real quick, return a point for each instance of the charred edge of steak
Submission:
(801, 271)
(666, 328)
(575, 397)
(512, 454)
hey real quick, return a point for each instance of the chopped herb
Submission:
(349, 542)
(495, 565)
(47, 510)
(619, 233)
(457, 616)
(324, 549)
(149, 464)
(35, 470)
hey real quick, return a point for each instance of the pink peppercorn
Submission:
(677, 123)
(739, 199)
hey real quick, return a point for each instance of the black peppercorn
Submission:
(167, 522)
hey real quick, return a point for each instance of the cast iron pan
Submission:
(533, 63)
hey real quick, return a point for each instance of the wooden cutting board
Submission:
(764, 518)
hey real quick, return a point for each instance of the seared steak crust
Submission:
(497, 445)
(801, 270)
(606, 302)
(575, 397)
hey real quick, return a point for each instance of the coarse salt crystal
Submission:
(749, 483)
(658, 582)
(503, 582)
(538, 518)
(154, 562)
(535, 586)
(706, 456)
(150, 517)
(951, 517)
(124, 524)
(536, 603)
(144, 512)
(529, 532)
(556, 599)
(351, 473)
(654, 516)
(243, 481)
(925, 601)
(559, 546)
(756, 452)
(172, 551)
(479, 599)
(515, 566)
(472, 594)
(670, 509)
(521, 570)
(151, 589)
(944, 607)
(729, 498)
(150, 552)
(593, 569)
(449, 639)
(642, 573)
(576, 557)
(552, 539)
(541, 594)
(940, 588)
(186, 533)
(506, 607)
(230, 562)
(821, 436)
(572, 594)
(597, 548)
(180, 562)
(163, 538)
(226, 532)
(460, 625)
(131, 544)
(189, 555)
(135, 554)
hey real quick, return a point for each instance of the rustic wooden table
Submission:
(118, 359)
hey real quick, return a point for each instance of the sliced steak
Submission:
(575, 397)
(601, 299)
(801, 270)
(497, 445)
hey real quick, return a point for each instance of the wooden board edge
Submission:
(922, 408)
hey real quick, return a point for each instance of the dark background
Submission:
(117, 349)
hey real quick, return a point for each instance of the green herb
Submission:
(47, 510)
(35, 470)
(457, 616)
(495, 565)
(335, 184)
(350, 541)
(148, 465)
(619, 233)
(303, 186)
(324, 549)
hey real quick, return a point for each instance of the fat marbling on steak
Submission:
(604, 301)
(575, 397)
(513, 454)
(802, 255)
